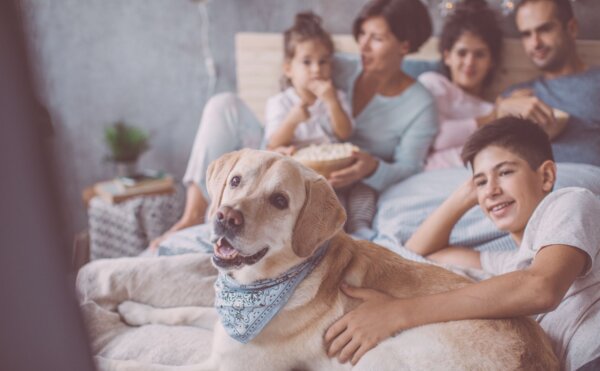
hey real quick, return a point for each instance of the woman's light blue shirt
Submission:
(399, 130)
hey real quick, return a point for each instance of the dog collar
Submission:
(246, 309)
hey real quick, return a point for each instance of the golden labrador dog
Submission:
(270, 215)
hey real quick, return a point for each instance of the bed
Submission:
(185, 264)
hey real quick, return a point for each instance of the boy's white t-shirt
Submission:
(316, 130)
(569, 216)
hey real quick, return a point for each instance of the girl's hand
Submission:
(324, 90)
(362, 328)
(364, 166)
(299, 113)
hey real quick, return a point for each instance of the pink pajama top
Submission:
(457, 111)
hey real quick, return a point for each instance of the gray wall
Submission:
(98, 61)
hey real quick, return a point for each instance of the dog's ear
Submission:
(321, 217)
(216, 178)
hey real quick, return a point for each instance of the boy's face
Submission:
(508, 190)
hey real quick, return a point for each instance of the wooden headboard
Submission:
(259, 58)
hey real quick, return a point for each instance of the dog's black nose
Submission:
(229, 217)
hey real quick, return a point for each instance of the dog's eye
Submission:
(235, 181)
(279, 201)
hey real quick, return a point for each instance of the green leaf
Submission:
(125, 142)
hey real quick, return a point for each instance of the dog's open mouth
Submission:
(227, 256)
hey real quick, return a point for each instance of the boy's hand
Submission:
(466, 194)
(324, 90)
(362, 328)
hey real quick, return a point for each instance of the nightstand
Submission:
(128, 227)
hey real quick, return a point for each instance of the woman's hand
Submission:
(364, 327)
(364, 166)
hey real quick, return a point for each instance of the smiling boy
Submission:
(554, 274)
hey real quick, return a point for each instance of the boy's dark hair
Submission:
(563, 9)
(407, 19)
(476, 17)
(520, 136)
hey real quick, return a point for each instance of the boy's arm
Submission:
(457, 255)
(537, 289)
(434, 233)
(340, 120)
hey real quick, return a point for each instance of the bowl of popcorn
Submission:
(326, 158)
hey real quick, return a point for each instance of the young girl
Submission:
(310, 110)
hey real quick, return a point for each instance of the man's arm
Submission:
(524, 104)
(433, 234)
(537, 289)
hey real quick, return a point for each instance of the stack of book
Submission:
(123, 188)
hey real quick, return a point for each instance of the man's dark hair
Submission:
(407, 19)
(517, 135)
(476, 17)
(563, 8)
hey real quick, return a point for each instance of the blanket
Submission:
(184, 280)
(184, 276)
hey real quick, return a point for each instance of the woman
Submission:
(470, 46)
(395, 116)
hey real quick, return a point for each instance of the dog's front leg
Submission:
(138, 314)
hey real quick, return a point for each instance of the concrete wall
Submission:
(98, 61)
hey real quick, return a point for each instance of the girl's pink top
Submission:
(457, 111)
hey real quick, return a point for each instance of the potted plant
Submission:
(126, 143)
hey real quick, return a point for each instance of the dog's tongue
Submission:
(224, 250)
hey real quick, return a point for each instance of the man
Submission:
(548, 31)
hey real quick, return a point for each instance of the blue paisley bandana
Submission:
(246, 309)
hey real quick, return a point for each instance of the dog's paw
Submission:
(135, 314)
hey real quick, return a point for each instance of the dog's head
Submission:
(268, 212)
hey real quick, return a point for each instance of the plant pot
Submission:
(125, 168)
